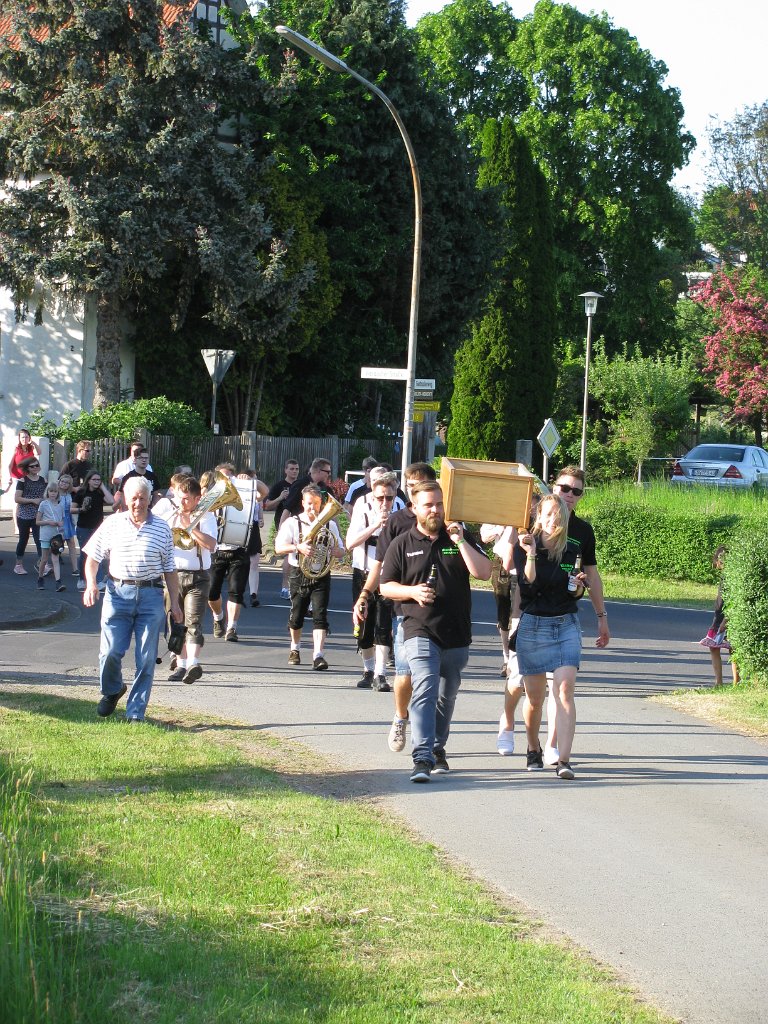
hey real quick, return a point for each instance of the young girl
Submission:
(69, 530)
(50, 519)
(90, 508)
(30, 491)
(716, 639)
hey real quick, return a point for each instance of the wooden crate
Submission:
(486, 492)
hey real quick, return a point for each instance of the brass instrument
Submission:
(222, 493)
(318, 564)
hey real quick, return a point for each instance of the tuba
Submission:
(222, 493)
(318, 564)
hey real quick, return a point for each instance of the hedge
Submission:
(745, 589)
(637, 539)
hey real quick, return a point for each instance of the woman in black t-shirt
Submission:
(93, 497)
(549, 634)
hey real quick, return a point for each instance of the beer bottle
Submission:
(432, 578)
(573, 583)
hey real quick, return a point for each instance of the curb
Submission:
(56, 614)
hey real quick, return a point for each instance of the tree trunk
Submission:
(259, 393)
(108, 337)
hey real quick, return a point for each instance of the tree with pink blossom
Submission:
(737, 351)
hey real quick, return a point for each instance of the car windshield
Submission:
(716, 453)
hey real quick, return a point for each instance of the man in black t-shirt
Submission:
(427, 570)
(319, 474)
(79, 467)
(141, 461)
(275, 502)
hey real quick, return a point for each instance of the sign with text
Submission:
(424, 384)
(383, 373)
(423, 395)
(427, 406)
(418, 417)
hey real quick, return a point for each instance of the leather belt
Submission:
(156, 581)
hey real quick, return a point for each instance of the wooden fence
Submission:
(267, 455)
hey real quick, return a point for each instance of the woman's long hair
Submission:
(87, 479)
(557, 540)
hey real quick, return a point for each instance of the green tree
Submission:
(343, 157)
(505, 371)
(109, 135)
(734, 210)
(646, 399)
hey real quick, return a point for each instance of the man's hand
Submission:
(604, 634)
(91, 595)
(455, 531)
(422, 594)
(176, 613)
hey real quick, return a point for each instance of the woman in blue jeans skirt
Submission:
(549, 634)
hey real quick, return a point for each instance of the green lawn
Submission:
(198, 880)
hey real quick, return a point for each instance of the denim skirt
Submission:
(545, 643)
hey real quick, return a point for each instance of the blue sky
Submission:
(715, 53)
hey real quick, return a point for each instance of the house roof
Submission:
(172, 13)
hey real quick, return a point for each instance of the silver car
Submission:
(723, 465)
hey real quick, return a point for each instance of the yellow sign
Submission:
(427, 406)
(418, 417)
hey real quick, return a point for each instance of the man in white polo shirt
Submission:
(140, 550)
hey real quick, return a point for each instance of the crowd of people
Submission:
(162, 560)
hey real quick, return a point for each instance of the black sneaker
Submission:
(421, 771)
(564, 770)
(441, 765)
(366, 682)
(60, 586)
(219, 629)
(177, 675)
(232, 636)
(294, 658)
(107, 705)
(320, 664)
(535, 760)
(380, 683)
(255, 602)
(40, 584)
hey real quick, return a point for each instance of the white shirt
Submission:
(141, 552)
(126, 466)
(289, 534)
(196, 557)
(363, 515)
(501, 536)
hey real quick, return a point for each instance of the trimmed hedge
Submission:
(745, 588)
(639, 540)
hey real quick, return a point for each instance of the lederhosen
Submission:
(377, 628)
(306, 592)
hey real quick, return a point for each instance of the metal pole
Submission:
(583, 460)
(214, 379)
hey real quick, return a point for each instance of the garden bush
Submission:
(123, 421)
(746, 602)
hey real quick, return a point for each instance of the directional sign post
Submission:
(382, 373)
(549, 439)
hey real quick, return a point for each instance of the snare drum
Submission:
(235, 524)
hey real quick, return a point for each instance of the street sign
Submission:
(418, 417)
(217, 362)
(427, 406)
(424, 384)
(425, 395)
(382, 373)
(549, 438)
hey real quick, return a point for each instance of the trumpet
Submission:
(222, 493)
(318, 564)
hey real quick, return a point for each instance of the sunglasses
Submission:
(567, 489)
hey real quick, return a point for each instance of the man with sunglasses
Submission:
(319, 475)
(370, 515)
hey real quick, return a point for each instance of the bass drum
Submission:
(235, 524)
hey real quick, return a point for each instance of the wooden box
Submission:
(486, 492)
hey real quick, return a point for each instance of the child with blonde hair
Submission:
(50, 519)
(69, 530)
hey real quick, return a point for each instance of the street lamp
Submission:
(590, 308)
(336, 64)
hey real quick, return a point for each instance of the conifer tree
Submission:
(505, 371)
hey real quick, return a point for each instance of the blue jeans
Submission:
(130, 611)
(436, 676)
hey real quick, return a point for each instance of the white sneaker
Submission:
(19, 569)
(551, 756)
(505, 743)
(397, 734)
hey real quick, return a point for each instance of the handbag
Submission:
(176, 632)
(57, 544)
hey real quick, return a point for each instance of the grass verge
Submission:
(202, 887)
(643, 590)
(744, 708)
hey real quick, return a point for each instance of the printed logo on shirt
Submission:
(412, 554)
(449, 551)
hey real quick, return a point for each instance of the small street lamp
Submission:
(590, 308)
(338, 65)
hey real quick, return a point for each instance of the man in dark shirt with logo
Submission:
(427, 570)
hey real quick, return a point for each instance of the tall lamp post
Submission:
(590, 308)
(336, 64)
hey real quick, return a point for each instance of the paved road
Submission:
(655, 859)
